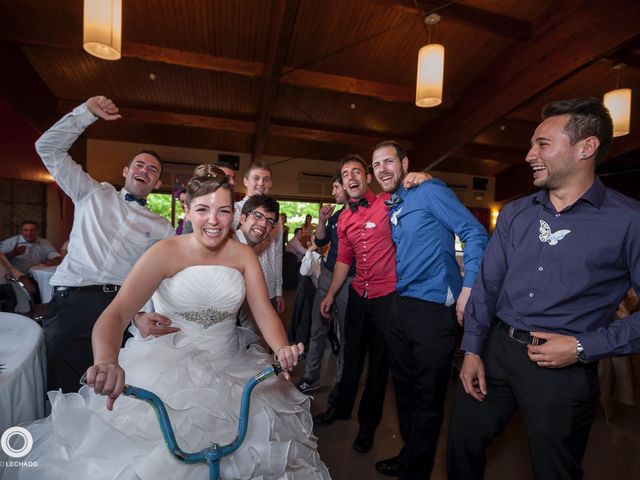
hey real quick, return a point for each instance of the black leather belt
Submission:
(522, 336)
(108, 288)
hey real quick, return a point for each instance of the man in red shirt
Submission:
(364, 233)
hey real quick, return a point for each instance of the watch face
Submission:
(582, 357)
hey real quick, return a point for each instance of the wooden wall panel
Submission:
(18, 157)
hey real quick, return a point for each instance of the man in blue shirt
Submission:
(542, 309)
(421, 333)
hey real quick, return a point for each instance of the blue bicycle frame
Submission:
(215, 452)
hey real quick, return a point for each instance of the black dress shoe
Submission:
(389, 467)
(363, 442)
(328, 417)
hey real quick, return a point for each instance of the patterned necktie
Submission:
(363, 202)
(393, 201)
(132, 198)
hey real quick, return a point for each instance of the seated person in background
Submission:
(27, 249)
(296, 246)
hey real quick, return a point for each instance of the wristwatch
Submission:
(580, 355)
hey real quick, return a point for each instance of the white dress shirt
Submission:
(269, 253)
(36, 252)
(109, 234)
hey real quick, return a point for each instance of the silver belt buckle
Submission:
(109, 288)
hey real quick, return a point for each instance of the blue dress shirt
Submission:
(423, 227)
(563, 272)
(331, 235)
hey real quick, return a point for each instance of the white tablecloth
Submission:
(42, 274)
(23, 380)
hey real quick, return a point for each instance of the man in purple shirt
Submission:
(541, 312)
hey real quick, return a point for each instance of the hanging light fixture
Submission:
(618, 102)
(430, 70)
(103, 28)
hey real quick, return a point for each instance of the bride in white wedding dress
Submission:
(199, 372)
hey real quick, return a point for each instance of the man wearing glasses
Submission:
(257, 180)
(257, 219)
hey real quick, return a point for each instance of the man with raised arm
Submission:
(111, 230)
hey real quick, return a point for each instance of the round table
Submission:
(23, 379)
(42, 274)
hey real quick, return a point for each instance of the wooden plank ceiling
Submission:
(319, 79)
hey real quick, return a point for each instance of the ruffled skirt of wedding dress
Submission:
(200, 376)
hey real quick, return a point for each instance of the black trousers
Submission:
(8, 300)
(67, 325)
(364, 333)
(421, 339)
(557, 406)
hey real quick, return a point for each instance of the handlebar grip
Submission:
(277, 368)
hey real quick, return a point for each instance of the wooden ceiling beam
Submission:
(627, 57)
(173, 118)
(327, 136)
(283, 18)
(473, 17)
(338, 83)
(289, 76)
(492, 152)
(184, 58)
(561, 46)
(367, 139)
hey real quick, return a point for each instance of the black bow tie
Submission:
(393, 201)
(363, 202)
(132, 198)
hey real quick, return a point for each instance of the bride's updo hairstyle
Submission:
(206, 179)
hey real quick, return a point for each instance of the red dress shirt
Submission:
(366, 236)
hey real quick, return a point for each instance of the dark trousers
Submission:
(67, 325)
(421, 339)
(364, 332)
(8, 300)
(557, 406)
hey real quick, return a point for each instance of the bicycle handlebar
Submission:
(215, 452)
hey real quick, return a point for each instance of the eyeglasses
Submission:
(261, 216)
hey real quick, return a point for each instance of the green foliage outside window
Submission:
(160, 203)
(296, 211)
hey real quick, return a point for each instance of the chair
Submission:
(25, 304)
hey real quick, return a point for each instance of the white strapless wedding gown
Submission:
(199, 373)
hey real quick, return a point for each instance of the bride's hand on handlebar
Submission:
(288, 357)
(106, 379)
